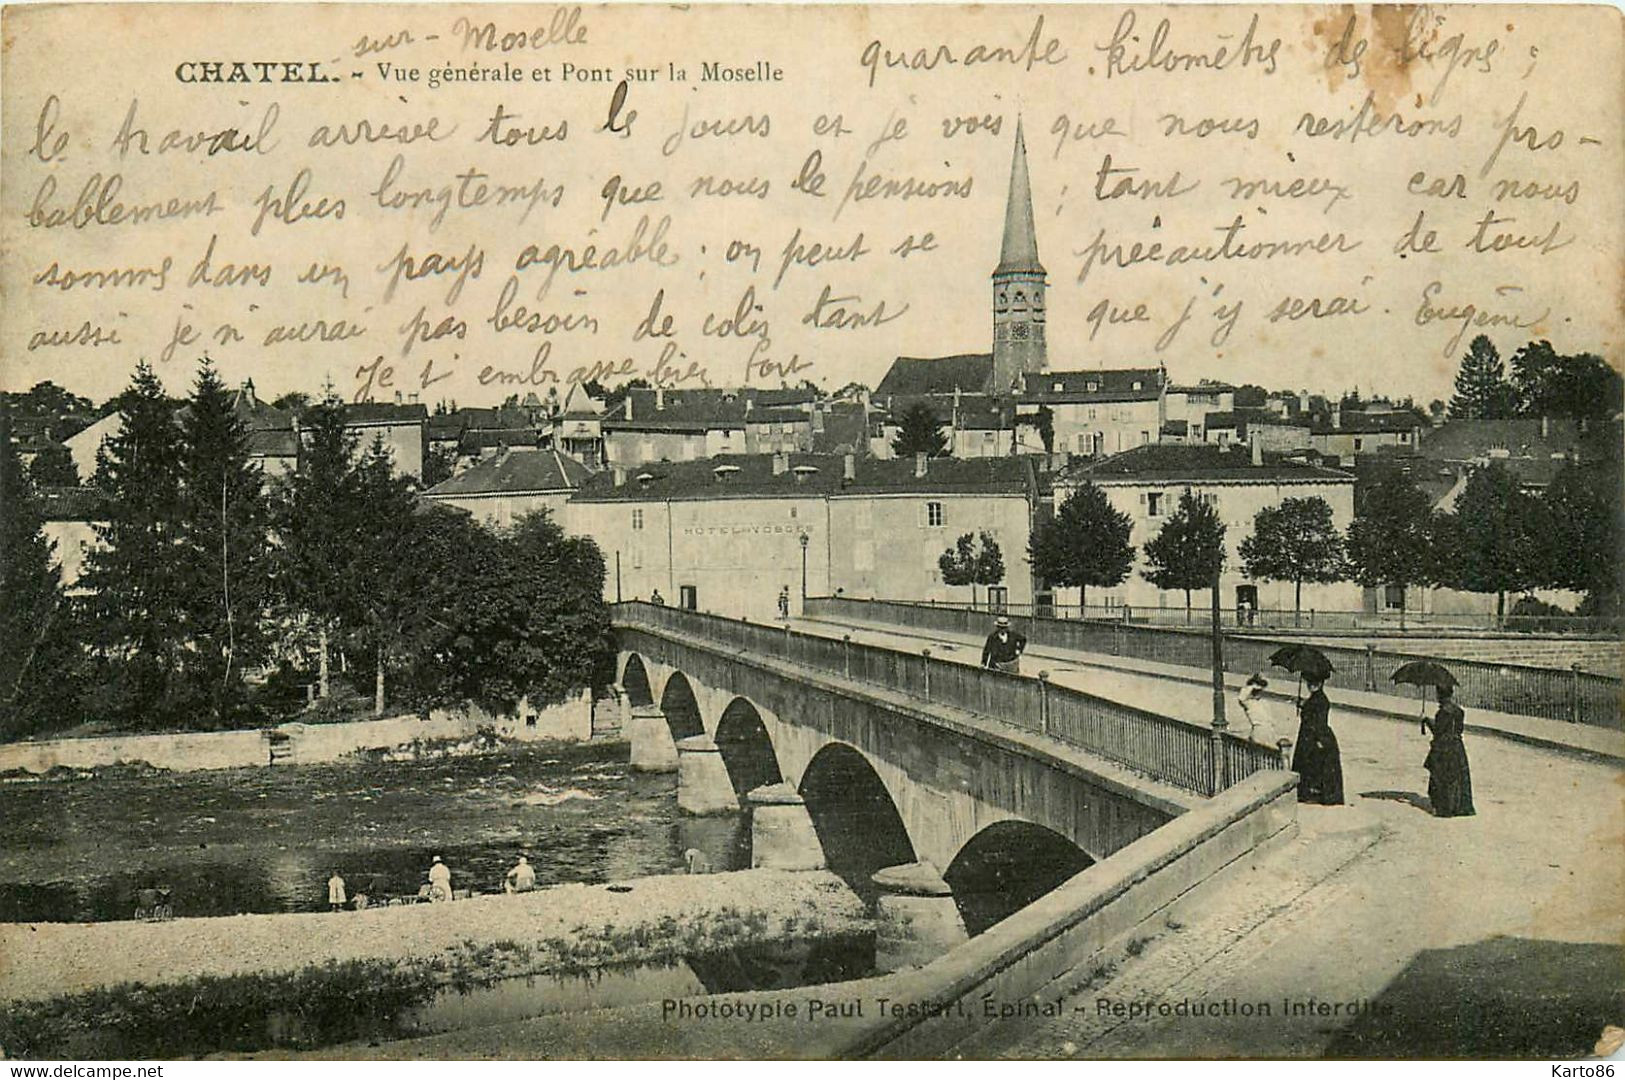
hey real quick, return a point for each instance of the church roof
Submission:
(1019, 253)
(969, 373)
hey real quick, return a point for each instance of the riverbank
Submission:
(296, 741)
(67, 989)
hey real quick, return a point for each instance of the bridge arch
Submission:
(1007, 866)
(681, 707)
(855, 816)
(747, 748)
(635, 681)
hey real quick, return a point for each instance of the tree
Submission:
(919, 432)
(1482, 391)
(1492, 542)
(1043, 422)
(382, 545)
(61, 414)
(313, 511)
(1251, 396)
(1584, 533)
(439, 462)
(39, 657)
(1391, 539)
(224, 518)
(1579, 387)
(1085, 544)
(1294, 541)
(612, 398)
(1188, 552)
(975, 559)
(293, 400)
(134, 614)
(53, 467)
(496, 619)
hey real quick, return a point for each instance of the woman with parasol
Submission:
(1450, 781)
(1317, 759)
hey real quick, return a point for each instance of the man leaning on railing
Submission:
(1004, 647)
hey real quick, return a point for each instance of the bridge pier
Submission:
(703, 786)
(916, 919)
(781, 831)
(652, 747)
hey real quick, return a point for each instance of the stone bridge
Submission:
(861, 778)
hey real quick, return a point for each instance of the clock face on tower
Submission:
(1019, 332)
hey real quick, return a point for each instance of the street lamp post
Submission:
(804, 542)
(1218, 780)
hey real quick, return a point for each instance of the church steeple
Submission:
(1018, 284)
(1020, 248)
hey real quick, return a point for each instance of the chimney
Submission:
(412, 398)
(660, 398)
(629, 404)
(619, 473)
(849, 467)
(781, 464)
(1258, 450)
(919, 464)
(750, 403)
(248, 391)
(397, 397)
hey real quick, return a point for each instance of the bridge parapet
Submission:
(1553, 693)
(1189, 756)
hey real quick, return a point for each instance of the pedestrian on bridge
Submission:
(1004, 647)
(1262, 726)
(1450, 782)
(1317, 759)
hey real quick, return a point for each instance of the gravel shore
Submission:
(592, 922)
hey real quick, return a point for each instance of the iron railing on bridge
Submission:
(1190, 756)
(1552, 693)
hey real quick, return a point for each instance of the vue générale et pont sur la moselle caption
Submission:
(626, 415)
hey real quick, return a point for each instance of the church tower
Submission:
(1018, 284)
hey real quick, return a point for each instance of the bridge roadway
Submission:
(1525, 897)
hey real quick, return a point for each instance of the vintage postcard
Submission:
(811, 531)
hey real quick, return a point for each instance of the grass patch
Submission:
(330, 1003)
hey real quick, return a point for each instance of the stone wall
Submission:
(570, 721)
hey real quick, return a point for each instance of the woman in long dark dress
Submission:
(1317, 760)
(1450, 782)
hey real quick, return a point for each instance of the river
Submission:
(266, 840)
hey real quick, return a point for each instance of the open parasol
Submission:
(1305, 660)
(1424, 673)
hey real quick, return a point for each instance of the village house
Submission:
(1096, 413)
(1273, 433)
(728, 533)
(401, 426)
(510, 483)
(663, 424)
(1191, 404)
(1237, 481)
(1347, 434)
